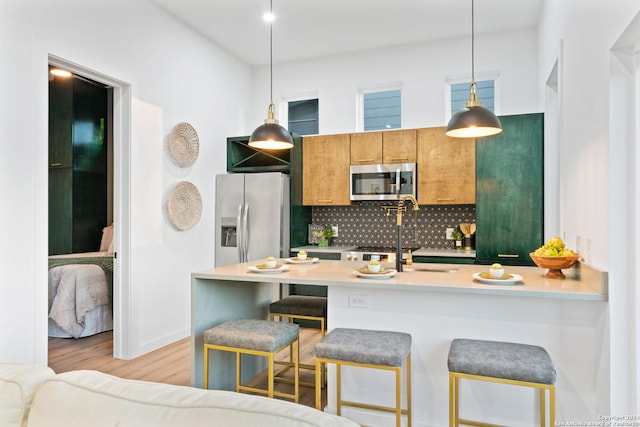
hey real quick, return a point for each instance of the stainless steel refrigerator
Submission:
(252, 217)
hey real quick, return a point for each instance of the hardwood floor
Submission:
(170, 364)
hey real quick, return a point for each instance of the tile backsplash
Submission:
(369, 224)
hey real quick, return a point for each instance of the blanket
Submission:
(102, 259)
(74, 290)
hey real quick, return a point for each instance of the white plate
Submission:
(365, 274)
(260, 268)
(302, 261)
(508, 279)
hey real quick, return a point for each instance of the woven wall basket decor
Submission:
(184, 144)
(184, 205)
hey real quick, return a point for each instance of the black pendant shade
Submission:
(473, 121)
(270, 135)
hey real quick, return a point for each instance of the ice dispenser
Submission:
(228, 231)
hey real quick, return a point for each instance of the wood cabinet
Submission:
(446, 168)
(399, 146)
(366, 148)
(325, 174)
(509, 186)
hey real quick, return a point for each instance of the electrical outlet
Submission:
(335, 230)
(449, 231)
(358, 301)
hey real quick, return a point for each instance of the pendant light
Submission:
(473, 120)
(270, 135)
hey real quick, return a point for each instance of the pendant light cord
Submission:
(271, 51)
(473, 79)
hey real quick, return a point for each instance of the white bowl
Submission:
(302, 257)
(496, 272)
(270, 264)
(374, 268)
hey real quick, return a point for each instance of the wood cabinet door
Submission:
(366, 148)
(510, 200)
(325, 170)
(399, 146)
(446, 168)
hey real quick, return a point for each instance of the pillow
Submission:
(107, 238)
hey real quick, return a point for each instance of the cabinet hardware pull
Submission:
(56, 164)
(508, 256)
(445, 199)
(399, 158)
(365, 160)
(325, 200)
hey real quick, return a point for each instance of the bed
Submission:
(81, 291)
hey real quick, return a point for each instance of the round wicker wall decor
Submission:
(184, 205)
(184, 144)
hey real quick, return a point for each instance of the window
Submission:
(460, 95)
(303, 117)
(381, 110)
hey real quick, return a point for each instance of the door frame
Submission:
(121, 201)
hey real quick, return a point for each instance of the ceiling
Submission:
(306, 29)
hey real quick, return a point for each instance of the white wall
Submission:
(591, 181)
(175, 75)
(422, 70)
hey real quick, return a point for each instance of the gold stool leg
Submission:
(409, 390)
(398, 396)
(296, 366)
(338, 395)
(270, 373)
(543, 409)
(238, 372)
(318, 394)
(205, 381)
(552, 406)
(453, 400)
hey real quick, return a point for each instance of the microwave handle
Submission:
(398, 182)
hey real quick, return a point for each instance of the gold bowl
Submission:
(555, 264)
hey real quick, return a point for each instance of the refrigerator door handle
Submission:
(245, 230)
(240, 235)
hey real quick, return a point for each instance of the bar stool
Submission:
(255, 337)
(384, 350)
(306, 308)
(500, 362)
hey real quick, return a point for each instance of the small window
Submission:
(303, 117)
(382, 110)
(460, 95)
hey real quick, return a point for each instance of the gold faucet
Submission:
(400, 209)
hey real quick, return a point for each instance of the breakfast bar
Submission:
(435, 303)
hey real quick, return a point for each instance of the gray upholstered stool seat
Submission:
(301, 307)
(505, 362)
(365, 346)
(255, 337)
(386, 350)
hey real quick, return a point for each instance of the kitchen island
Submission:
(434, 303)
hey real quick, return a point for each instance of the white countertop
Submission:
(583, 282)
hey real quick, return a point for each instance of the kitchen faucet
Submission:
(400, 209)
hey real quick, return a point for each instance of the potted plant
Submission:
(456, 234)
(326, 236)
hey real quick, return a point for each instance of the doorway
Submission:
(119, 110)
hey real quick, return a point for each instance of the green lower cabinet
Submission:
(509, 191)
(443, 260)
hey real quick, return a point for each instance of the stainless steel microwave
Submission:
(382, 182)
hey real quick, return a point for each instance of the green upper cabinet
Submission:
(509, 191)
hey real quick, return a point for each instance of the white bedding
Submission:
(75, 290)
